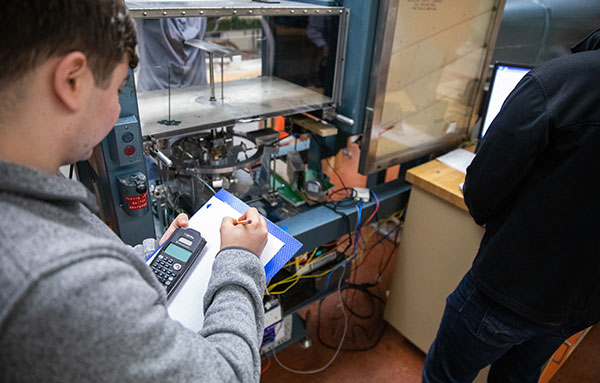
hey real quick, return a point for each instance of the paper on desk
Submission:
(458, 159)
(187, 305)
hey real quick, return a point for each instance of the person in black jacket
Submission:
(534, 186)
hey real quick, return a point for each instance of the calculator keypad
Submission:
(165, 269)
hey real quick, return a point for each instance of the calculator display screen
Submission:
(178, 252)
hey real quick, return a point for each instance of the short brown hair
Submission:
(36, 30)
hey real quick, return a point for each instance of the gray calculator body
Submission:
(176, 256)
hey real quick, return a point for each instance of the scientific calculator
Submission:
(176, 256)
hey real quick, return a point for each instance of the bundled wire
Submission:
(371, 291)
(293, 279)
(356, 236)
(375, 302)
(375, 337)
(337, 351)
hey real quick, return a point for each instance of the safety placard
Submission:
(137, 202)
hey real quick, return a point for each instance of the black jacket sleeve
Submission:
(517, 135)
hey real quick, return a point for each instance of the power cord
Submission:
(337, 351)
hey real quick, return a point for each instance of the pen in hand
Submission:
(242, 222)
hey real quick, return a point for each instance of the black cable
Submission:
(373, 298)
(361, 316)
(336, 173)
(380, 241)
(356, 349)
(344, 216)
(364, 288)
(366, 255)
(351, 199)
(314, 138)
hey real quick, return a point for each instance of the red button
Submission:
(129, 150)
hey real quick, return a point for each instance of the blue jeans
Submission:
(475, 332)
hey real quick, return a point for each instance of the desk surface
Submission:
(439, 179)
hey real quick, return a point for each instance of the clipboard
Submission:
(187, 305)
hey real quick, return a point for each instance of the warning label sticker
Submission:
(137, 202)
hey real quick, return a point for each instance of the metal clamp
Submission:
(153, 149)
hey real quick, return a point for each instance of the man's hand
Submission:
(180, 221)
(252, 236)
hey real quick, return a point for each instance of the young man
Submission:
(533, 184)
(76, 304)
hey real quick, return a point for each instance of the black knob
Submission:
(141, 187)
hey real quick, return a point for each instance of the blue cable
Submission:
(375, 195)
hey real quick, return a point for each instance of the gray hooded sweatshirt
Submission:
(78, 305)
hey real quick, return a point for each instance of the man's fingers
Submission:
(181, 220)
(228, 221)
(251, 213)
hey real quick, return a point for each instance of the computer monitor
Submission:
(504, 79)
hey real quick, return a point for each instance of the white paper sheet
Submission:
(458, 159)
(187, 305)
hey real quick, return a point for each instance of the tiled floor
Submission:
(393, 359)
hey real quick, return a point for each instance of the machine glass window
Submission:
(431, 60)
(206, 85)
(207, 72)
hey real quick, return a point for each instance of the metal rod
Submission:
(169, 89)
(212, 77)
(344, 120)
(222, 80)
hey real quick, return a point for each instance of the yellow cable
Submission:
(307, 276)
(287, 288)
(292, 277)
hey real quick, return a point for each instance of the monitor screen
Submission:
(504, 79)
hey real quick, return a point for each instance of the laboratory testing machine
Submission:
(288, 84)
